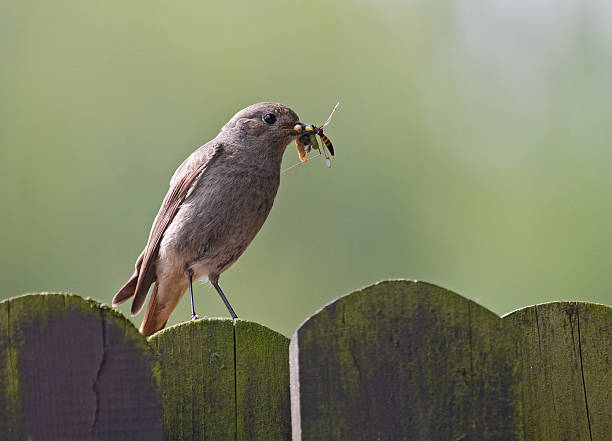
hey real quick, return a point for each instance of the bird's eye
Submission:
(269, 118)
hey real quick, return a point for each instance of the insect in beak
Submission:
(308, 140)
(301, 148)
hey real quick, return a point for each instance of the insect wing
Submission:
(314, 142)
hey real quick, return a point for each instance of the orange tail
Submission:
(164, 299)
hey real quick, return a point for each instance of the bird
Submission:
(218, 200)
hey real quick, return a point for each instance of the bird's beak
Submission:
(298, 129)
(293, 130)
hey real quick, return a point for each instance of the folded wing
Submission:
(182, 181)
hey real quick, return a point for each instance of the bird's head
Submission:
(263, 126)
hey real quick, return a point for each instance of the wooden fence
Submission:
(398, 360)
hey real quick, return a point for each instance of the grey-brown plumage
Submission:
(219, 198)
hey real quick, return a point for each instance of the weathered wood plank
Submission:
(596, 350)
(84, 372)
(197, 380)
(596, 356)
(262, 383)
(404, 360)
(127, 384)
(10, 398)
(495, 389)
(553, 396)
(564, 347)
(397, 360)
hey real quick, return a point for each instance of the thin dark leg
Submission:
(194, 316)
(227, 305)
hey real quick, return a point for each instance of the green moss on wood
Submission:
(10, 398)
(565, 370)
(397, 360)
(262, 383)
(39, 329)
(404, 360)
(130, 333)
(553, 398)
(596, 357)
(197, 380)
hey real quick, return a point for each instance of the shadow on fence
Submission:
(398, 360)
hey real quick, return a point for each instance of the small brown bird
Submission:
(219, 198)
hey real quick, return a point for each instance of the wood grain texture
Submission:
(84, 373)
(404, 360)
(262, 383)
(396, 360)
(224, 381)
(10, 397)
(566, 370)
(197, 380)
(596, 350)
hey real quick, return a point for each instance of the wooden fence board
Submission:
(596, 349)
(553, 398)
(396, 360)
(69, 353)
(127, 384)
(262, 383)
(197, 380)
(404, 360)
(495, 389)
(564, 347)
(10, 399)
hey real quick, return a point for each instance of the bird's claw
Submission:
(194, 317)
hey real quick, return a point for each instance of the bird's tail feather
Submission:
(129, 288)
(127, 291)
(162, 303)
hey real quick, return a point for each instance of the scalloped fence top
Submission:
(399, 360)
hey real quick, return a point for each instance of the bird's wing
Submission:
(180, 185)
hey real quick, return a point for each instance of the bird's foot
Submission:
(194, 317)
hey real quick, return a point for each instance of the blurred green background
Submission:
(472, 144)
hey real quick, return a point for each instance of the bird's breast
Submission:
(220, 217)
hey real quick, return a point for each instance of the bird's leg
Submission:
(194, 316)
(227, 305)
